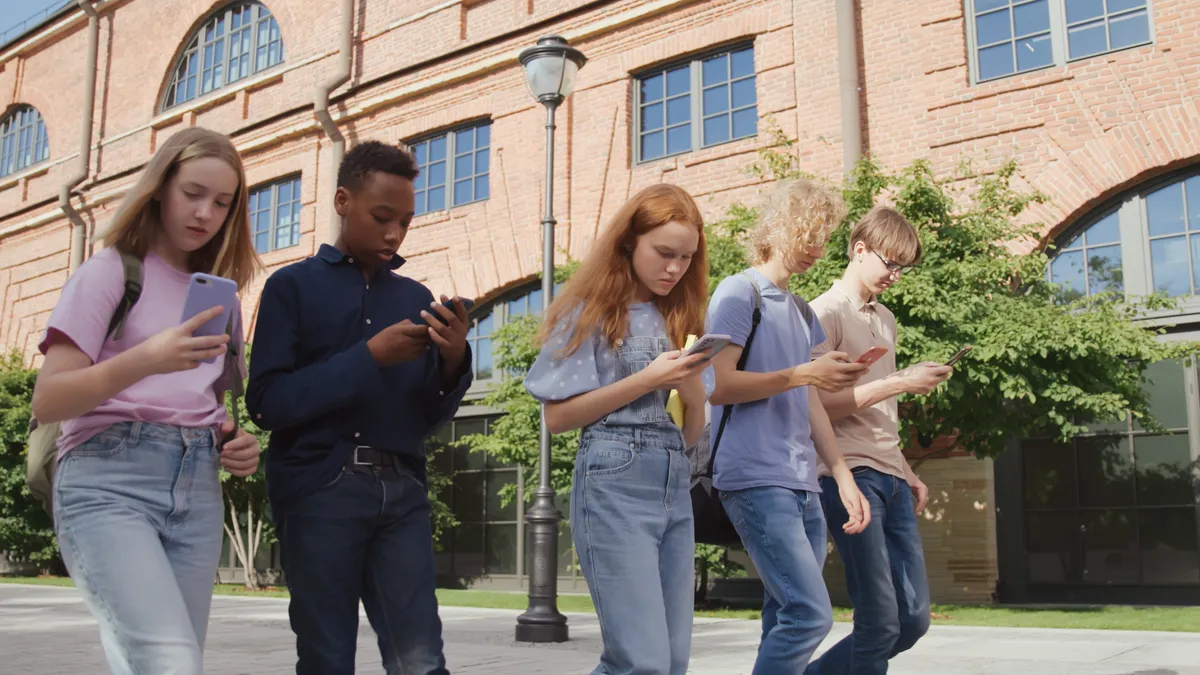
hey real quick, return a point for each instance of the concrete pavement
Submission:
(49, 631)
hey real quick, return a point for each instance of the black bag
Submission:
(711, 522)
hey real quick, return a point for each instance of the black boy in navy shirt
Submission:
(350, 371)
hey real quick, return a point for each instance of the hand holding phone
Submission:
(449, 305)
(713, 341)
(205, 292)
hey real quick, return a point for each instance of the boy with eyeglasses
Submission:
(885, 564)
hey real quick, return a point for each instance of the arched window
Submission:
(486, 320)
(23, 140)
(1149, 242)
(237, 41)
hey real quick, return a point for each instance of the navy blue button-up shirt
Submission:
(316, 388)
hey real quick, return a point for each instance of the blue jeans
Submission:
(138, 513)
(365, 536)
(631, 521)
(784, 533)
(885, 576)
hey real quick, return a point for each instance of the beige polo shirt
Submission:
(869, 437)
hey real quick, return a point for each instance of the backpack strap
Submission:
(755, 318)
(133, 291)
(237, 388)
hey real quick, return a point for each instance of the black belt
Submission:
(365, 455)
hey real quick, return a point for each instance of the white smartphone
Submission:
(710, 341)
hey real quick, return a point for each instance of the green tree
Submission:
(1045, 360)
(26, 531)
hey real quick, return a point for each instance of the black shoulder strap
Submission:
(741, 365)
(133, 291)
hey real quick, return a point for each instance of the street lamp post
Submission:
(550, 70)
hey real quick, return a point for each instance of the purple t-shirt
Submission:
(185, 398)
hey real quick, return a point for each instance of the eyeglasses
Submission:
(895, 268)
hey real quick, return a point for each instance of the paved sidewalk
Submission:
(48, 631)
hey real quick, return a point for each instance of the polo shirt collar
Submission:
(332, 255)
(855, 299)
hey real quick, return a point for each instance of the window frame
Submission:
(17, 130)
(451, 134)
(695, 63)
(499, 308)
(1059, 47)
(224, 15)
(1133, 224)
(272, 233)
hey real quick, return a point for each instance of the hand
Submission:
(398, 343)
(174, 349)
(240, 455)
(447, 329)
(924, 377)
(833, 371)
(857, 506)
(920, 494)
(672, 369)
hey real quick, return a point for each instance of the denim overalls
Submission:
(631, 520)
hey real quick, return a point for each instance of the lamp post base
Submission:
(541, 632)
(542, 622)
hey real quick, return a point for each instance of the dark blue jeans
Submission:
(885, 576)
(365, 535)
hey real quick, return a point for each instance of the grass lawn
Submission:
(1114, 617)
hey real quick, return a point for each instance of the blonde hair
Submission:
(885, 231)
(796, 212)
(138, 222)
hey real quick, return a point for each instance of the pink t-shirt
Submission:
(185, 398)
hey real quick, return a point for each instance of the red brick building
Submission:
(1097, 100)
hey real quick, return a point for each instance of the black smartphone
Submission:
(449, 304)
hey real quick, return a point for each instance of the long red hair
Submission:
(605, 285)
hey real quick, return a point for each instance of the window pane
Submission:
(1034, 52)
(1167, 395)
(261, 242)
(462, 191)
(464, 140)
(496, 481)
(481, 187)
(1196, 261)
(484, 371)
(1129, 29)
(996, 61)
(716, 100)
(743, 93)
(487, 324)
(985, 5)
(742, 63)
(483, 135)
(464, 166)
(468, 496)
(1106, 231)
(652, 88)
(679, 81)
(501, 549)
(1049, 474)
(745, 122)
(1164, 472)
(652, 145)
(1168, 543)
(437, 173)
(468, 550)
(1110, 547)
(992, 27)
(1192, 187)
(716, 129)
(482, 161)
(437, 199)
(679, 110)
(1104, 269)
(652, 117)
(1067, 270)
(1164, 210)
(679, 139)
(1086, 40)
(1105, 471)
(1081, 10)
(535, 300)
(1031, 18)
(1169, 264)
(437, 149)
(1052, 547)
(1115, 6)
(421, 152)
(716, 69)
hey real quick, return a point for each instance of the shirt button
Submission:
(356, 434)
(368, 322)
(258, 416)
(350, 259)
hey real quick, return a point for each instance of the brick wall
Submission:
(1081, 132)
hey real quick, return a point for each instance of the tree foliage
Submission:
(26, 531)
